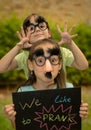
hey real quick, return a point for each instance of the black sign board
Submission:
(56, 109)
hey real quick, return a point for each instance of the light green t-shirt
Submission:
(22, 58)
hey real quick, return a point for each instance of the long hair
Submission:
(60, 79)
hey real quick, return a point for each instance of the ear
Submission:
(60, 65)
(50, 34)
(30, 65)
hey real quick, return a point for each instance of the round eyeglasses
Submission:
(42, 26)
(40, 60)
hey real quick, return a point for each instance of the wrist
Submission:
(19, 45)
(70, 44)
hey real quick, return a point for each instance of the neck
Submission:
(39, 85)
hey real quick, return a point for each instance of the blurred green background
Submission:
(12, 14)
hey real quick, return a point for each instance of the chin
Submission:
(49, 80)
(38, 38)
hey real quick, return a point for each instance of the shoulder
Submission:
(23, 54)
(67, 56)
(65, 51)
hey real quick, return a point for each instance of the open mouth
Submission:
(48, 75)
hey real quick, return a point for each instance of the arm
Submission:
(8, 62)
(80, 62)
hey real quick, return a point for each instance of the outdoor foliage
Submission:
(8, 39)
(84, 43)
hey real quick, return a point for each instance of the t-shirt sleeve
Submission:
(22, 59)
(67, 56)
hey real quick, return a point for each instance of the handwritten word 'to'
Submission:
(26, 122)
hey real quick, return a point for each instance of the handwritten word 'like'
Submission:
(35, 102)
(63, 99)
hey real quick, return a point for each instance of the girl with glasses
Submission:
(45, 72)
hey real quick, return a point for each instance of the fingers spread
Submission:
(65, 27)
(72, 28)
(59, 30)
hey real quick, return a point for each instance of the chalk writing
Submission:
(35, 102)
(26, 122)
(58, 114)
(58, 117)
(60, 99)
(48, 109)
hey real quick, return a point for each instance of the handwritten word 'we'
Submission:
(35, 102)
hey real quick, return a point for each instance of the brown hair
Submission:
(27, 21)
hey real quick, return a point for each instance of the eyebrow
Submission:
(54, 51)
(40, 19)
(51, 51)
(39, 52)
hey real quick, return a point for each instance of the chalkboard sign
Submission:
(48, 109)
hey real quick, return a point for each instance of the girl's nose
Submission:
(48, 66)
(37, 28)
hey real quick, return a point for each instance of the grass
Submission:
(6, 125)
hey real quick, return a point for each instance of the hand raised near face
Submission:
(66, 37)
(24, 38)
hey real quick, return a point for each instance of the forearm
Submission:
(80, 61)
(7, 62)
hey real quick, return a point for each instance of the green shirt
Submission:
(22, 59)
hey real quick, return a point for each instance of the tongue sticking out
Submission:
(48, 75)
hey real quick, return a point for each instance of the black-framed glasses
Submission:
(42, 26)
(40, 60)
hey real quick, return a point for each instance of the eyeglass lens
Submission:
(42, 26)
(40, 60)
